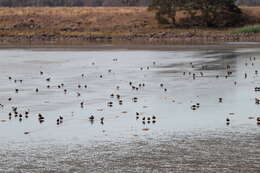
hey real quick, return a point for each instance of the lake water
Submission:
(172, 138)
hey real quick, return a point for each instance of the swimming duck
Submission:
(81, 104)
(102, 120)
(91, 118)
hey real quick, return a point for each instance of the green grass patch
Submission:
(247, 29)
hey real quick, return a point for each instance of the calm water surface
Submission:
(180, 139)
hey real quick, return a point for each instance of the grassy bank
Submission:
(102, 23)
(247, 29)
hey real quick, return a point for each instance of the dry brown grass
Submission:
(76, 19)
(99, 21)
(253, 14)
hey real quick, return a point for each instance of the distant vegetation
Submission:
(248, 29)
(248, 2)
(217, 13)
(68, 3)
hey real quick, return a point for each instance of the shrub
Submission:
(248, 29)
(209, 13)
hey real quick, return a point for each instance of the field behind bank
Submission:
(94, 21)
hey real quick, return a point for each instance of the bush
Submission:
(248, 29)
(209, 13)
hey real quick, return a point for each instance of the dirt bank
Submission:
(109, 24)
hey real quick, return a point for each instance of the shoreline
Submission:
(132, 46)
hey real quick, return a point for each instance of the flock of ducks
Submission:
(139, 116)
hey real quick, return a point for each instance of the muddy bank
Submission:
(145, 39)
(106, 24)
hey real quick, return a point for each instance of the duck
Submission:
(135, 99)
(26, 112)
(58, 121)
(110, 104)
(40, 117)
(194, 76)
(194, 107)
(245, 75)
(48, 79)
(102, 120)
(91, 118)
(81, 104)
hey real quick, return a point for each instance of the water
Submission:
(179, 140)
